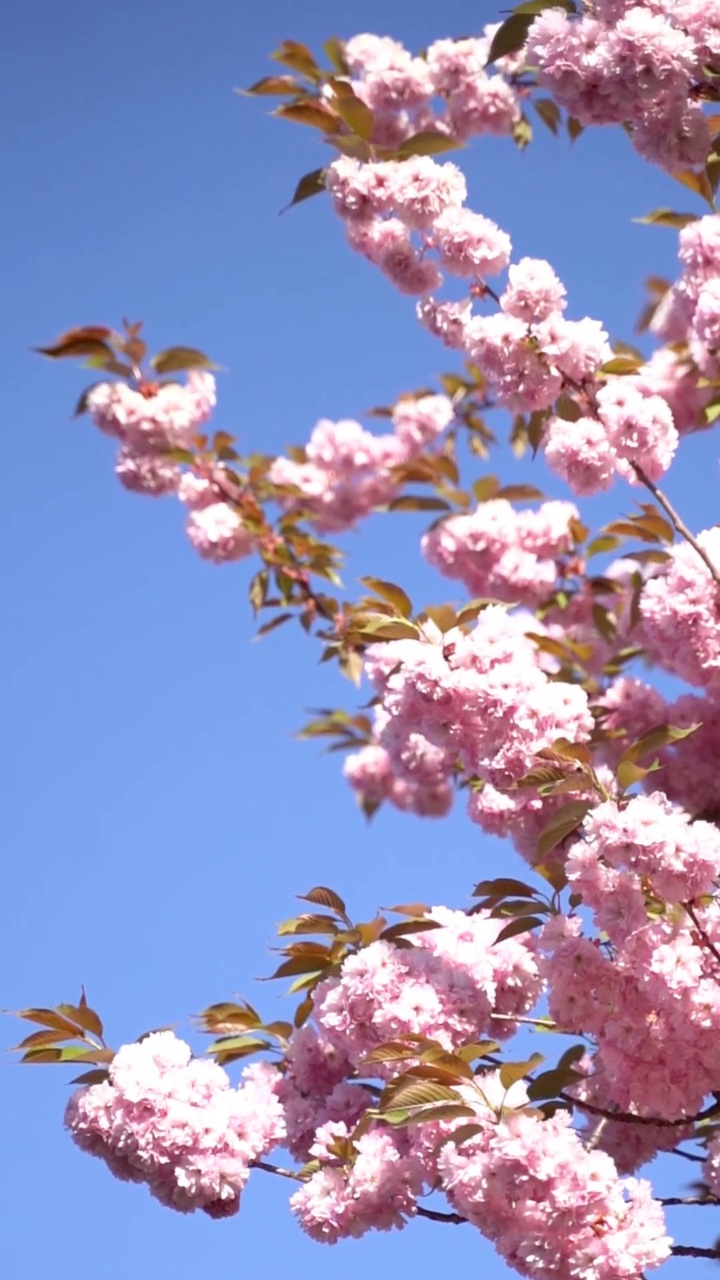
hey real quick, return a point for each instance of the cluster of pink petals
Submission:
(448, 90)
(551, 1207)
(501, 553)
(652, 987)
(679, 608)
(689, 313)
(348, 471)
(176, 1124)
(447, 987)
(151, 423)
(633, 428)
(377, 1190)
(633, 64)
(481, 698)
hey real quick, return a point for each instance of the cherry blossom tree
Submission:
(396, 1089)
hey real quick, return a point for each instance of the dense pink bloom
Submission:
(178, 1125)
(146, 473)
(550, 1207)
(469, 244)
(217, 533)
(580, 453)
(679, 608)
(679, 859)
(159, 418)
(501, 553)
(447, 987)
(377, 1191)
(639, 427)
(447, 321)
(533, 291)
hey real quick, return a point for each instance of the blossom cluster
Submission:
(347, 471)
(150, 421)
(637, 64)
(176, 1124)
(449, 90)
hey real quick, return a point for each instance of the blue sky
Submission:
(158, 815)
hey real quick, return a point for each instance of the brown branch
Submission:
(687, 1155)
(703, 934)
(274, 1168)
(708, 1199)
(693, 1251)
(677, 520)
(626, 1117)
(436, 1216)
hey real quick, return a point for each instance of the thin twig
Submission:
(677, 520)
(708, 1199)
(436, 1216)
(274, 1168)
(693, 1251)
(687, 1155)
(626, 1117)
(703, 934)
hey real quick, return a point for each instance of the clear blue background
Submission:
(157, 814)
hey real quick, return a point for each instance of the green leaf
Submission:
(511, 1072)
(356, 115)
(335, 52)
(96, 1076)
(309, 111)
(503, 885)
(622, 364)
(520, 493)
(418, 502)
(549, 113)
(667, 218)
(411, 1092)
(229, 1048)
(522, 924)
(511, 36)
(561, 825)
(311, 184)
(426, 143)
(308, 923)
(175, 358)
(298, 57)
(321, 896)
(390, 592)
(280, 86)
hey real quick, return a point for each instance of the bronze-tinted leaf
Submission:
(512, 1072)
(392, 593)
(356, 115)
(71, 348)
(175, 358)
(309, 111)
(667, 218)
(501, 886)
(275, 86)
(426, 143)
(311, 184)
(321, 896)
(335, 52)
(561, 825)
(298, 57)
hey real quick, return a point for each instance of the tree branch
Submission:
(703, 934)
(626, 1117)
(436, 1216)
(708, 1199)
(274, 1168)
(693, 1251)
(677, 520)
